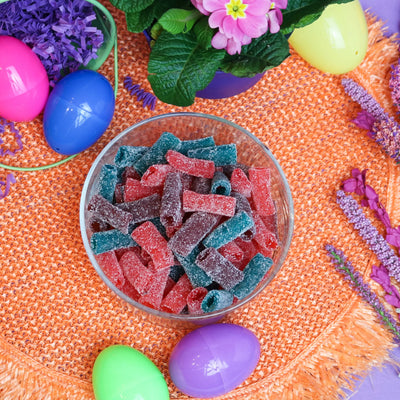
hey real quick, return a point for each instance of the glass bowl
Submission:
(189, 126)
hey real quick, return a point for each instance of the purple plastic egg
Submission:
(213, 360)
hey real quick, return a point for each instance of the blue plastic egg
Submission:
(213, 360)
(78, 111)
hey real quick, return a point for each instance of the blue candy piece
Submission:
(221, 155)
(187, 145)
(127, 155)
(196, 275)
(108, 179)
(254, 272)
(216, 300)
(242, 204)
(156, 153)
(229, 230)
(101, 242)
(220, 184)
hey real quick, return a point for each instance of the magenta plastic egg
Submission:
(213, 360)
(24, 84)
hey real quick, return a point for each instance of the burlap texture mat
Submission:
(56, 315)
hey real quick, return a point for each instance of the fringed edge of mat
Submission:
(24, 378)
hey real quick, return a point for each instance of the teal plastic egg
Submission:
(337, 41)
(122, 372)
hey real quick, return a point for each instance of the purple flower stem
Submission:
(370, 234)
(345, 267)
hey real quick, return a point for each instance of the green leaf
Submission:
(177, 20)
(203, 32)
(131, 6)
(300, 13)
(179, 67)
(263, 53)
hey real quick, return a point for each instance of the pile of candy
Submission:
(181, 227)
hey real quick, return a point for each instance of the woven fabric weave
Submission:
(56, 314)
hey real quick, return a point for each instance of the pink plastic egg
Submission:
(24, 84)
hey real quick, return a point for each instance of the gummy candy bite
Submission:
(181, 227)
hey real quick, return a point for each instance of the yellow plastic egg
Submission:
(337, 41)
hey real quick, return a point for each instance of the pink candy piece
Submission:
(110, 266)
(194, 300)
(191, 166)
(210, 203)
(240, 183)
(260, 179)
(176, 299)
(156, 174)
(155, 291)
(150, 239)
(134, 190)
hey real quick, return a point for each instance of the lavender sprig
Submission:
(386, 132)
(364, 99)
(370, 234)
(345, 267)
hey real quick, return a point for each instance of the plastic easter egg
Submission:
(78, 111)
(122, 372)
(24, 84)
(337, 41)
(213, 360)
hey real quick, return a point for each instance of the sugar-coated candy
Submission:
(196, 275)
(187, 145)
(254, 272)
(220, 184)
(240, 182)
(229, 230)
(131, 266)
(201, 185)
(134, 190)
(108, 179)
(187, 181)
(192, 232)
(265, 239)
(194, 300)
(119, 193)
(171, 212)
(191, 166)
(156, 153)
(210, 203)
(109, 264)
(113, 239)
(155, 291)
(129, 290)
(155, 175)
(117, 218)
(97, 224)
(176, 272)
(143, 209)
(216, 300)
(242, 204)
(176, 300)
(232, 252)
(260, 179)
(151, 240)
(129, 172)
(219, 268)
(249, 251)
(128, 155)
(221, 155)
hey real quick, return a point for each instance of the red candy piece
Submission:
(210, 203)
(191, 166)
(240, 183)
(155, 291)
(265, 239)
(232, 252)
(130, 172)
(109, 264)
(134, 190)
(156, 174)
(131, 266)
(150, 239)
(249, 251)
(194, 300)
(130, 291)
(260, 179)
(176, 299)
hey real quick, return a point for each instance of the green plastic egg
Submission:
(337, 41)
(124, 373)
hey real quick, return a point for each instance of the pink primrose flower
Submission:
(275, 15)
(199, 5)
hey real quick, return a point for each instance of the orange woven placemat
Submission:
(56, 315)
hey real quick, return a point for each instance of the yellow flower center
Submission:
(235, 8)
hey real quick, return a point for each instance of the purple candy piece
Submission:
(143, 209)
(219, 268)
(171, 213)
(213, 360)
(193, 231)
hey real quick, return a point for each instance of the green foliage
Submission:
(177, 20)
